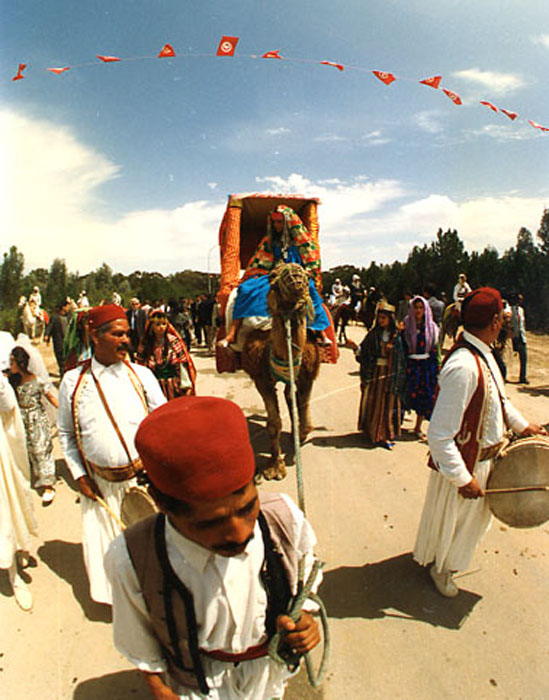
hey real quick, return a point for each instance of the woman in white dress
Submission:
(17, 522)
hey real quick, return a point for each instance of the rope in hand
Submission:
(304, 587)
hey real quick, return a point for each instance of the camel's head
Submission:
(289, 292)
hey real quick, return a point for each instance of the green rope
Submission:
(304, 588)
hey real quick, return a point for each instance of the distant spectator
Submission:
(137, 319)
(437, 306)
(518, 328)
(83, 301)
(461, 290)
(403, 307)
(56, 330)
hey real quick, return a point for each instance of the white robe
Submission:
(451, 526)
(102, 446)
(230, 605)
(17, 522)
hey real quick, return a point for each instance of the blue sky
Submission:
(130, 163)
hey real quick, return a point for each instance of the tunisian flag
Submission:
(386, 78)
(167, 52)
(19, 75)
(227, 46)
(272, 54)
(456, 99)
(331, 63)
(433, 82)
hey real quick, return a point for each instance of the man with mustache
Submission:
(200, 588)
(101, 404)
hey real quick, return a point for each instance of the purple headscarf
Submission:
(410, 328)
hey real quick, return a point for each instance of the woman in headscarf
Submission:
(382, 377)
(421, 344)
(287, 240)
(163, 351)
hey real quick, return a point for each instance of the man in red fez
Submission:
(200, 588)
(465, 434)
(101, 404)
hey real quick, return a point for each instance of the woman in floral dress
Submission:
(32, 392)
(163, 351)
(421, 343)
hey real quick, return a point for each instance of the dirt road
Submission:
(393, 636)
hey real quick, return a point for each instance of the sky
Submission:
(130, 163)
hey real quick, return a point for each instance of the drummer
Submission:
(465, 434)
(199, 590)
(101, 404)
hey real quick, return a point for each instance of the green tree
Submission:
(543, 232)
(11, 277)
(56, 288)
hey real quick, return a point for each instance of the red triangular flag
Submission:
(19, 75)
(433, 82)
(512, 115)
(272, 54)
(58, 71)
(489, 104)
(386, 78)
(167, 52)
(331, 63)
(108, 59)
(538, 126)
(227, 46)
(456, 99)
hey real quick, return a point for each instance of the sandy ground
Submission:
(393, 636)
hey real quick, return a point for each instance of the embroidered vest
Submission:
(170, 603)
(470, 431)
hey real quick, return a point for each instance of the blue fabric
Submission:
(251, 299)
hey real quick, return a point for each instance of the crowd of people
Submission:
(200, 588)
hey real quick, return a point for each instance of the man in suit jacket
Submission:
(137, 318)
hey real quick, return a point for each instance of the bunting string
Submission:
(227, 49)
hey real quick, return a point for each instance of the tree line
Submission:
(523, 268)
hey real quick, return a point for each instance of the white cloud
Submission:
(496, 83)
(541, 40)
(278, 131)
(51, 209)
(429, 121)
(329, 138)
(505, 132)
(212, 185)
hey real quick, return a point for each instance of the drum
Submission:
(136, 505)
(522, 470)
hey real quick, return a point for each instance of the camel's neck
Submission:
(278, 336)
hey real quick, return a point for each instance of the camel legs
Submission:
(303, 396)
(277, 468)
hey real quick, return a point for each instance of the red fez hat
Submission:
(100, 315)
(196, 447)
(479, 306)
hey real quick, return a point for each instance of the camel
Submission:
(265, 356)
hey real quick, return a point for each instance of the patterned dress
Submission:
(171, 364)
(421, 378)
(381, 361)
(31, 397)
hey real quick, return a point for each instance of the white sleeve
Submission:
(457, 382)
(8, 400)
(155, 396)
(515, 419)
(305, 541)
(132, 630)
(67, 436)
